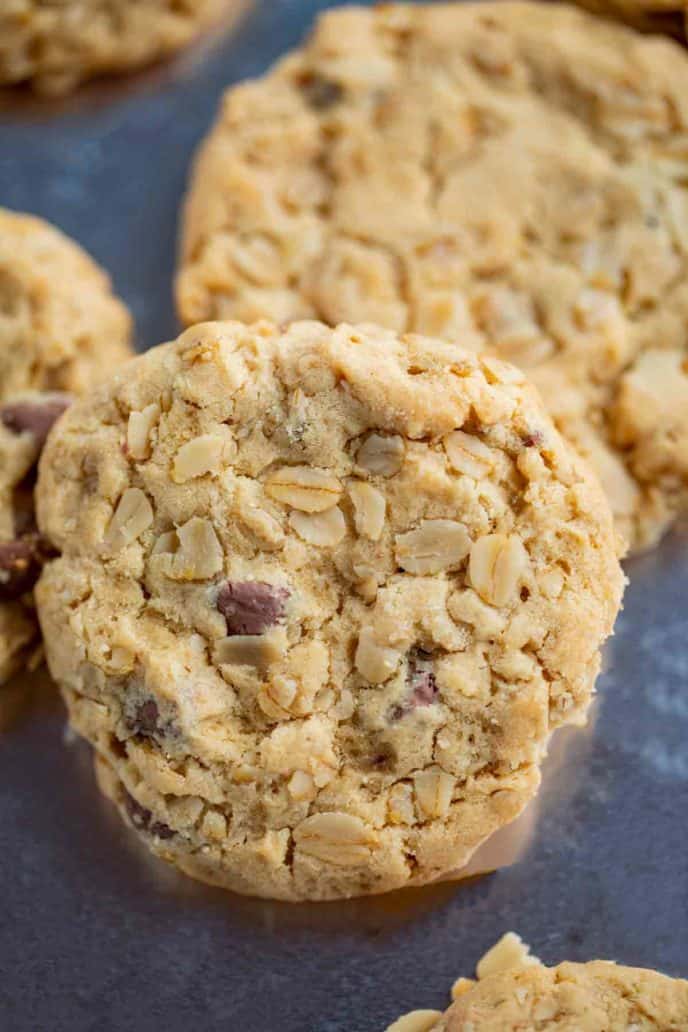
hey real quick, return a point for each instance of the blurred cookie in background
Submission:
(507, 174)
(55, 46)
(61, 329)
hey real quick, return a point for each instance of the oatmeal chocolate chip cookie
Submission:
(60, 330)
(55, 46)
(322, 596)
(511, 171)
(514, 991)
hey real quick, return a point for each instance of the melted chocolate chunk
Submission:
(321, 93)
(139, 816)
(142, 819)
(34, 417)
(20, 565)
(383, 758)
(146, 719)
(251, 607)
(533, 440)
(23, 513)
(421, 683)
(160, 830)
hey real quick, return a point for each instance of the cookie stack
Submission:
(319, 579)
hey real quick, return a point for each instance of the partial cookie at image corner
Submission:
(514, 990)
(61, 330)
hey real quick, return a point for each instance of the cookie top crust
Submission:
(322, 596)
(508, 173)
(53, 47)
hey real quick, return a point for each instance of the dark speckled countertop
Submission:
(95, 936)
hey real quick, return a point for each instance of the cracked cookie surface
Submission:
(511, 172)
(61, 329)
(322, 596)
(514, 991)
(55, 46)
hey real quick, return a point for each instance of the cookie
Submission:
(322, 596)
(669, 16)
(55, 47)
(511, 171)
(514, 991)
(61, 329)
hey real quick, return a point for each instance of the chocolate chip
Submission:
(425, 690)
(23, 512)
(533, 440)
(139, 816)
(160, 830)
(251, 607)
(145, 719)
(421, 684)
(117, 747)
(20, 565)
(383, 759)
(321, 93)
(142, 819)
(34, 417)
(377, 754)
(421, 679)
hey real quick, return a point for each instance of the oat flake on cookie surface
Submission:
(322, 596)
(514, 173)
(61, 329)
(515, 992)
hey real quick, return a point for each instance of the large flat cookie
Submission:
(514, 992)
(322, 597)
(508, 172)
(55, 46)
(61, 329)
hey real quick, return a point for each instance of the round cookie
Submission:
(61, 329)
(54, 47)
(322, 596)
(513, 172)
(514, 992)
